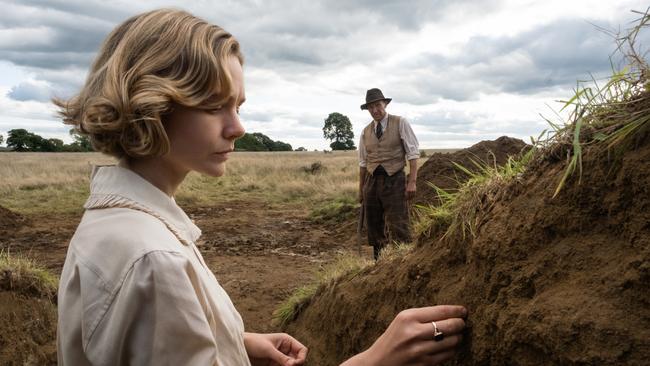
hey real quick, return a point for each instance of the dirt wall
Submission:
(559, 281)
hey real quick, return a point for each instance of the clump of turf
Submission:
(23, 275)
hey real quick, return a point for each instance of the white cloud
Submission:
(462, 71)
(37, 90)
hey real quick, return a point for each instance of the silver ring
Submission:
(437, 335)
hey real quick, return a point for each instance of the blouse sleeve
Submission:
(362, 151)
(156, 317)
(410, 142)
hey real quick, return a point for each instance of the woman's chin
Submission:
(214, 171)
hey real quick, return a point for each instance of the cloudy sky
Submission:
(461, 71)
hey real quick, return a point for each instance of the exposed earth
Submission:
(259, 252)
(441, 169)
(547, 280)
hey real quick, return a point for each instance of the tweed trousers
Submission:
(387, 216)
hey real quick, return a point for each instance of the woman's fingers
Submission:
(448, 327)
(431, 346)
(435, 313)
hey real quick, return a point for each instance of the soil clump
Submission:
(28, 326)
(440, 170)
(10, 220)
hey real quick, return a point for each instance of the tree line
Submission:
(257, 141)
(20, 139)
(337, 128)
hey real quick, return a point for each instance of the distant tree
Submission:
(258, 141)
(301, 149)
(56, 144)
(81, 142)
(19, 139)
(338, 128)
(281, 146)
(2, 139)
(22, 140)
(248, 142)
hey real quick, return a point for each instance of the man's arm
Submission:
(412, 148)
(413, 177)
(363, 171)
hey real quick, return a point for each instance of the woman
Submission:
(163, 97)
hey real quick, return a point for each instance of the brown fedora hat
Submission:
(373, 95)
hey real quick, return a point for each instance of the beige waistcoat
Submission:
(388, 151)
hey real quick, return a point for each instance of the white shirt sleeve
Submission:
(156, 318)
(362, 152)
(410, 142)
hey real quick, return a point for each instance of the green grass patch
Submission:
(53, 198)
(337, 210)
(460, 212)
(345, 265)
(23, 275)
(395, 250)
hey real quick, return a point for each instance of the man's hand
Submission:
(410, 190)
(277, 349)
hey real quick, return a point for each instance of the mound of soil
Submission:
(28, 326)
(560, 281)
(440, 170)
(10, 220)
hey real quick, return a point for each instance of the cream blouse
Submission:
(134, 288)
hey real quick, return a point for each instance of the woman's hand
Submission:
(409, 339)
(277, 349)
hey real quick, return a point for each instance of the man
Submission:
(385, 145)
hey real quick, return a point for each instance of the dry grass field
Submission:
(58, 182)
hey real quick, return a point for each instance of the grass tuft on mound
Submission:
(345, 265)
(23, 275)
(459, 211)
(608, 118)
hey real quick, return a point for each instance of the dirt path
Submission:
(259, 252)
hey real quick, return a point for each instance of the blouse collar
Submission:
(115, 186)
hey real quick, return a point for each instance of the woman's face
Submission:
(201, 140)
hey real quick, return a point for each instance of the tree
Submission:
(22, 140)
(81, 142)
(2, 139)
(257, 141)
(338, 128)
(19, 139)
(56, 144)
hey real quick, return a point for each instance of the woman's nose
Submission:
(234, 129)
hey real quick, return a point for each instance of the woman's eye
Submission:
(216, 109)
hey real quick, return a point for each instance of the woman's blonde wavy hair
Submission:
(146, 65)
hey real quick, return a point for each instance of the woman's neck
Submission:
(156, 171)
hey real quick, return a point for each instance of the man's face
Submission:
(377, 109)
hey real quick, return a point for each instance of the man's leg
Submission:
(396, 208)
(374, 214)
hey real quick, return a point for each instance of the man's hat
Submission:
(373, 95)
